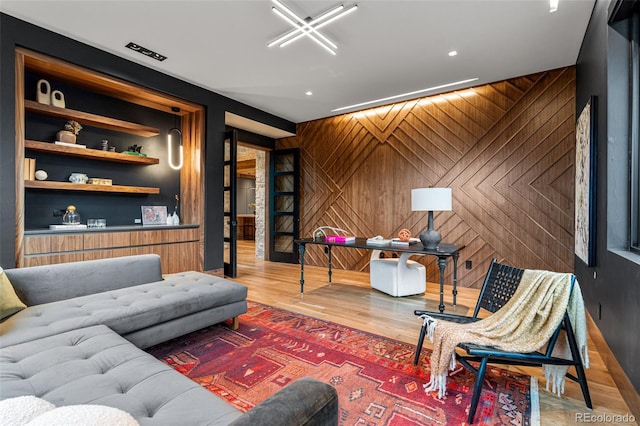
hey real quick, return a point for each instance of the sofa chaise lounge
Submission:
(79, 342)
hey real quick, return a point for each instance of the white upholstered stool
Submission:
(397, 276)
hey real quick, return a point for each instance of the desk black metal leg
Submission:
(455, 277)
(301, 248)
(329, 252)
(442, 265)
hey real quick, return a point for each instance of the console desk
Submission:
(443, 252)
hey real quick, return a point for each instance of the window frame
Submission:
(634, 145)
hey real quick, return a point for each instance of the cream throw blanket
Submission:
(524, 324)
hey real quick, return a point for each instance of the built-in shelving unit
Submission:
(91, 119)
(68, 186)
(88, 153)
(187, 252)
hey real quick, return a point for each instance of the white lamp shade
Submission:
(431, 199)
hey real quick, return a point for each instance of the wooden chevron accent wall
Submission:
(507, 149)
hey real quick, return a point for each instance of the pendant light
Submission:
(175, 131)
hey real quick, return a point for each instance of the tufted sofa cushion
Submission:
(94, 365)
(124, 310)
(37, 285)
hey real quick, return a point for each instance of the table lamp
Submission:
(430, 199)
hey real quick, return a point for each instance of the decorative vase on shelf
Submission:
(175, 219)
(65, 136)
(70, 133)
(57, 99)
(43, 94)
(78, 178)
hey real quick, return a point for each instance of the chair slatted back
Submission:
(499, 285)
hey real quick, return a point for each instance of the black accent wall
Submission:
(17, 33)
(612, 287)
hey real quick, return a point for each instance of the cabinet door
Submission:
(106, 240)
(106, 254)
(178, 257)
(40, 244)
(164, 236)
(52, 259)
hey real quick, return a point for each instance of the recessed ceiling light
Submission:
(308, 93)
(553, 5)
(453, 53)
(429, 89)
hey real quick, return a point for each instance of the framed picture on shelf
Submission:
(154, 215)
(585, 229)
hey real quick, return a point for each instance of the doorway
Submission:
(251, 178)
(248, 163)
(245, 204)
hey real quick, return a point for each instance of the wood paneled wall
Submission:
(506, 149)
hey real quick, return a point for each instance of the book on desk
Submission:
(339, 238)
(378, 241)
(399, 242)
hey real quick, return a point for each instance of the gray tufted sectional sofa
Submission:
(79, 342)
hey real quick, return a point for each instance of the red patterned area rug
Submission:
(375, 377)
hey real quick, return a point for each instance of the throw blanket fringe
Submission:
(430, 322)
(524, 324)
(437, 382)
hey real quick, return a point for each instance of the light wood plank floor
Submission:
(352, 302)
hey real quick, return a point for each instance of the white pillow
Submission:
(21, 410)
(84, 415)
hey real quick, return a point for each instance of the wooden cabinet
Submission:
(142, 238)
(176, 257)
(99, 240)
(32, 117)
(105, 254)
(51, 259)
(178, 248)
(53, 243)
(246, 227)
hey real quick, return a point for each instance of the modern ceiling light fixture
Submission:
(308, 27)
(429, 89)
(147, 52)
(553, 5)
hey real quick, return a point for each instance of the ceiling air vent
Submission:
(146, 52)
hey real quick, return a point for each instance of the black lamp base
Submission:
(430, 239)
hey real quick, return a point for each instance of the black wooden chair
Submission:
(499, 285)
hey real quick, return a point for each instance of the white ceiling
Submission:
(386, 47)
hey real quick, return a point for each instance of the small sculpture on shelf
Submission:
(78, 177)
(135, 150)
(57, 99)
(43, 92)
(41, 175)
(404, 235)
(174, 219)
(70, 133)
